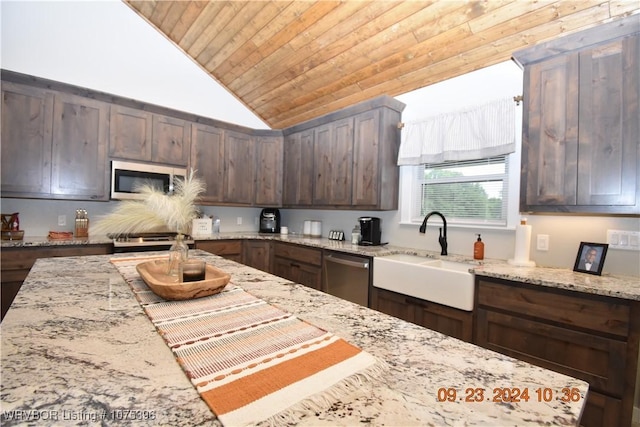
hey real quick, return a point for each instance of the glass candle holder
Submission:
(192, 270)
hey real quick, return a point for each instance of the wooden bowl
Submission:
(154, 274)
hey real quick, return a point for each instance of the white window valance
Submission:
(475, 133)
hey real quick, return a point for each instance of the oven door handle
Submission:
(347, 262)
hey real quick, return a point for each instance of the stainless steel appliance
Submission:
(144, 242)
(127, 177)
(370, 233)
(270, 220)
(347, 276)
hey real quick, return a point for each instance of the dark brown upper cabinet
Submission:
(298, 169)
(269, 173)
(345, 160)
(581, 123)
(144, 136)
(54, 145)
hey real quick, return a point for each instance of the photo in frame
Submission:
(590, 258)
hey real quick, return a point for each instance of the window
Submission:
(473, 193)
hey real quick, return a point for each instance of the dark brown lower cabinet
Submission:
(591, 337)
(230, 249)
(297, 263)
(447, 320)
(17, 262)
(257, 254)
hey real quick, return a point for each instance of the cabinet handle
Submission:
(293, 264)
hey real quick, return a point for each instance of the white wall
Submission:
(105, 46)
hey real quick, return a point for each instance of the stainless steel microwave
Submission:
(127, 177)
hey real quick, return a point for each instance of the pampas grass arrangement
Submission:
(157, 211)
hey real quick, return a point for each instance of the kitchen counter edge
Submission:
(625, 287)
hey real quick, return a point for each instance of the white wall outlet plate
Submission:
(62, 220)
(542, 243)
(624, 239)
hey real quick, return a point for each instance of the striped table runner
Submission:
(250, 361)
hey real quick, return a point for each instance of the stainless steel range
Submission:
(144, 242)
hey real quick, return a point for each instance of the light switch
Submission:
(542, 242)
(614, 239)
(623, 239)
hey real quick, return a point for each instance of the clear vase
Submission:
(178, 253)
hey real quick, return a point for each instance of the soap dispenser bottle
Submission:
(478, 249)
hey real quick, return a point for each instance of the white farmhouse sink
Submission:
(444, 282)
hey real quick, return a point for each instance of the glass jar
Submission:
(178, 253)
(355, 235)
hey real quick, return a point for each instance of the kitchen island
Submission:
(77, 348)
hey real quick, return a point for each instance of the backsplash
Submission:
(38, 217)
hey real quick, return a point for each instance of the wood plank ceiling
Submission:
(291, 61)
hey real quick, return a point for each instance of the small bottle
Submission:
(478, 249)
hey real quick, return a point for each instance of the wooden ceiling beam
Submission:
(464, 56)
(376, 35)
(199, 25)
(295, 60)
(240, 26)
(286, 69)
(188, 16)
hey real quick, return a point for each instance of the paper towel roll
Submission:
(523, 243)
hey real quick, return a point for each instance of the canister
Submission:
(316, 228)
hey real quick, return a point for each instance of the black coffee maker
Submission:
(270, 220)
(370, 231)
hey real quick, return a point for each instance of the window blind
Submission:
(466, 192)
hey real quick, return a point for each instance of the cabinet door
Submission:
(609, 153)
(79, 158)
(257, 254)
(365, 192)
(27, 115)
(550, 134)
(391, 303)
(130, 133)
(298, 169)
(230, 249)
(446, 320)
(333, 152)
(240, 168)
(171, 140)
(207, 159)
(305, 274)
(269, 163)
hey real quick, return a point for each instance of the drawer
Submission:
(598, 360)
(220, 247)
(13, 259)
(593, 312)
(298, 253)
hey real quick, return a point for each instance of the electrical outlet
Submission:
(623, 239)
(543, 242)
(62, 220)
(239, 220)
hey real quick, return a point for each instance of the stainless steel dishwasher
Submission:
(347, 276)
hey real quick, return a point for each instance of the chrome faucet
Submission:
(443, 238)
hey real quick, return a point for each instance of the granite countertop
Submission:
(77, 347)
(626, 287)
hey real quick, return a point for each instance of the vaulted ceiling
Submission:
(291, 61)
